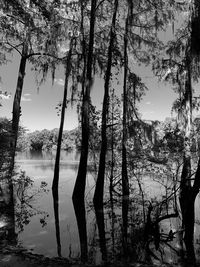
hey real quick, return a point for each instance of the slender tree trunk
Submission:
(79, 188)
(78, 196)
(98, 195)
(62, 119)
(16, 112)
(111, 181)
(80, 213)
(112, 158)
(188, 192)
(125, 183)
(187, 199)
(99, 189)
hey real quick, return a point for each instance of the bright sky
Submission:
(38, 107)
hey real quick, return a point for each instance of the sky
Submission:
(38, 106)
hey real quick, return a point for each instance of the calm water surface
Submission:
(40, 234)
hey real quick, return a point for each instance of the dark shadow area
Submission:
(56, 215)
(79, 208)
(7, 214)
(102, 236)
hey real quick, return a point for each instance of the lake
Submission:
(39, 234)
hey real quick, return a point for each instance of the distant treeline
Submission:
(39, 140)
(47, 140)
(162, 135)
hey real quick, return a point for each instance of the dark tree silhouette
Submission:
(125, 183)
(78, 196)
(57, 223)
(62, 119)
(99, 189)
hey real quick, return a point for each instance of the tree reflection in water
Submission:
(79, 208)
(7, 217)
(101, 228)
(56, 215)
(25, 194)
(16, 209)
(153, 231)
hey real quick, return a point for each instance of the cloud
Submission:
(60, 82)
(26, 99)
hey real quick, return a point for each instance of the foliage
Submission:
(3, 95)
(5, 137)
(41, 31)
(38, 140)
(25, 194)
(47, 140)
(95, 132)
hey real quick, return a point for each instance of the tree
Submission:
(125, 182)
(67, 74)
(31, 30)
(79, 188)
(17, 24)
(182, 69)
(99, 189)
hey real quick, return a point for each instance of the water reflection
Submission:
(47, 239)
(57, 225)
(79, 208)
(44, 160)
(102, 236)
(25, 193)
(50, 166)
(48, 155)
(7, 219)
(160, 243)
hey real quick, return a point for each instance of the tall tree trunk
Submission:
(79, 188)
(111, 187)
(188, 213)
(99, 189)
(186, 190)
(78, 195)
(98, 195)
(125, 183)
(62, 119)
(16, 112)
